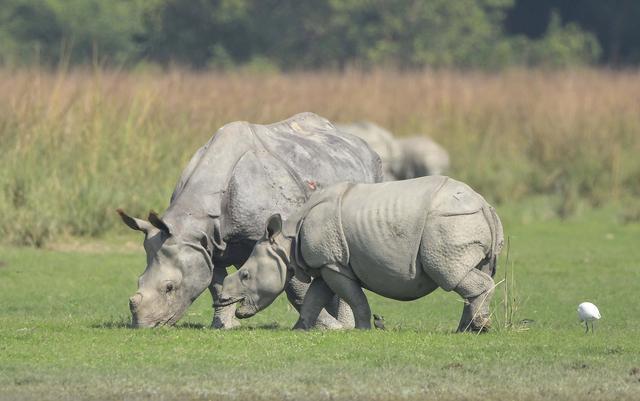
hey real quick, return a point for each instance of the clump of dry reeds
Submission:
(76, 145)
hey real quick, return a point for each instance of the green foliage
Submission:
(79, 31)
(287, 34)
(562, 46)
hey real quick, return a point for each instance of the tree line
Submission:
(312, 34)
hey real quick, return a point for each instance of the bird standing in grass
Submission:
(378, 322)
(588, 312)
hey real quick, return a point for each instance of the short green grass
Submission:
(63, 333)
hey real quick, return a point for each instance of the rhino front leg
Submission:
(352, 293)
(318, 295)
(224, 317)
(477, 290)
(339, 318)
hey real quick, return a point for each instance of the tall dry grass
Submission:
(76, 145)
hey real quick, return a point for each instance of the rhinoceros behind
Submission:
(420, 156)
(381, 141)
(400, 239)
(245, 173)
(402, 158)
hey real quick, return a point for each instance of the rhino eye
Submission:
(244, 274)
(169, 287)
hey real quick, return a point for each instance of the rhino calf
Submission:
(399, 239)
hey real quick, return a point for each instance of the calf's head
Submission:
(263, 276)
(179, 268)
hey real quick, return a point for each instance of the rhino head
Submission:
(179, 268)
(263, 276)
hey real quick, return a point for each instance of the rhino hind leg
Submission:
(477, 289)
(224, 317)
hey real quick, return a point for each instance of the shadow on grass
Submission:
(123, 324)
(118, 324)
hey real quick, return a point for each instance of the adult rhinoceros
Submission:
(402, 158)
(245, 173)
(421, 156)
(381, 141)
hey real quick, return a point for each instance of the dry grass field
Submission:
(77, 144)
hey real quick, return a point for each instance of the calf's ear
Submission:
(135, 224)
(274, 227)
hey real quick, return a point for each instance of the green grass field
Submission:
(64, 313)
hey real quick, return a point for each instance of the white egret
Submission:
(588, 312)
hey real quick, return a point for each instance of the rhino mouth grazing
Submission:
(246, 309)
(228, 301)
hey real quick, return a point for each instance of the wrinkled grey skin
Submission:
(421, 156)
(381, 141)
(400, 239)
(245, 173)
(402, 158)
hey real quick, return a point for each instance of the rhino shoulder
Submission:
(258, 187)
(321, 235)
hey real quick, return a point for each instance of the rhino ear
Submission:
(135, 224)
(206, 243)
(157, 222)
(274, 227)
(217, 239)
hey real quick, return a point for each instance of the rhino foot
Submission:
(478, 325)
(230, 324)
(224, 318)
(324, 322)
(328, 322)
(473, 322)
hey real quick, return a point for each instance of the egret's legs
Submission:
(586, 325)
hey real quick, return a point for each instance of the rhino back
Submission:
(383, 225)
(317, 152)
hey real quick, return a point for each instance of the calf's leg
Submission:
(352, 293)
(318, 295)
(335, 316)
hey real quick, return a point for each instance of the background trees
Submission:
(291, 34)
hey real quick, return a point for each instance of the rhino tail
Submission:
(497, 236)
